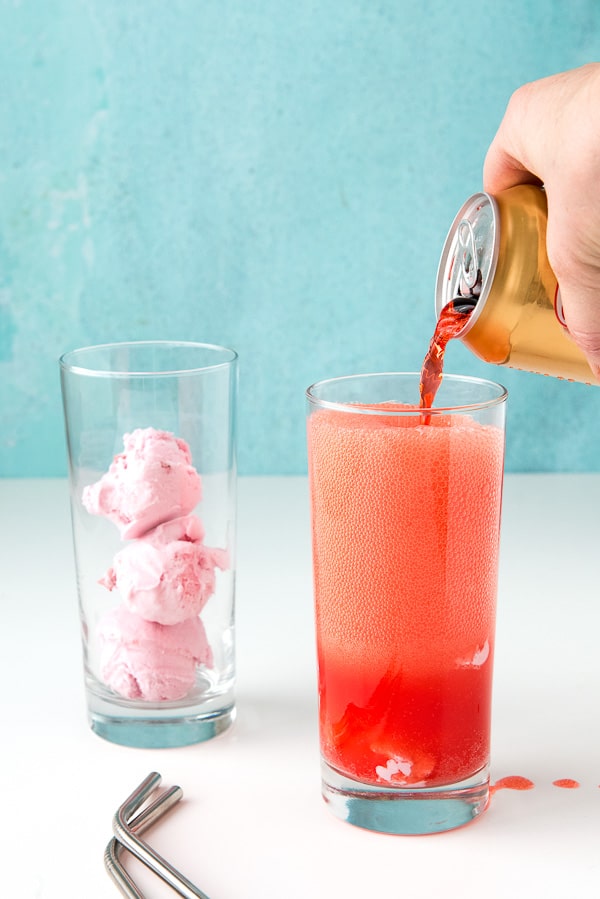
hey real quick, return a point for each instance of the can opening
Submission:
(464, 305)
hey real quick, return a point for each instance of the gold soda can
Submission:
(495, 260)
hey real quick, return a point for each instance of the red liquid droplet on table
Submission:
(449, 324)
(566, 783)
(513, 782)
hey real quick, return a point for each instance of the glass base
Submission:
(396, 810)
(161, 733)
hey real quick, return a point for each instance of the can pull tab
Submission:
(470, 274)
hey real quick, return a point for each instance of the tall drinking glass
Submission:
(151, 443)
(405, 527)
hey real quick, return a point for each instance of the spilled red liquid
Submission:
(450, 323)
(513, 782)
(516, 782)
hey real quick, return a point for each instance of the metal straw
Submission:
(139, 824)
(139, 848)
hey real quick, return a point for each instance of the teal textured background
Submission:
(275, 176)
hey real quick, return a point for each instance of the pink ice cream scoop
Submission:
(151, 481)
(168, 575)
(144, 660)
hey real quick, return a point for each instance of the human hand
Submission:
(550, 135)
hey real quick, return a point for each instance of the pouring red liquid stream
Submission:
(450, 323)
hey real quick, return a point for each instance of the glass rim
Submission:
(69, 361)
(408, 409)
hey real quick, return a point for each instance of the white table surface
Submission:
(252, 822)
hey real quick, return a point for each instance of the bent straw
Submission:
(139, 848)
(139, 824)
